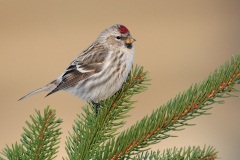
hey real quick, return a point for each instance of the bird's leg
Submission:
(96, 107)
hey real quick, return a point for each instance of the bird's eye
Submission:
(118, 37)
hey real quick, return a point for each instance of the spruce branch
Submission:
(174, 114)
(39, 140)
(90, 130)
(190, 153)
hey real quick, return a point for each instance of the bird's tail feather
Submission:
(48, 87)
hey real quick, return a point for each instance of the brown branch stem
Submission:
(39, 147)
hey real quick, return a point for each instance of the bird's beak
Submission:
(129, 40)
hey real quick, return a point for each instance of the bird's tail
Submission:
(49, 87)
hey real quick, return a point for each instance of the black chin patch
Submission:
(128, 45)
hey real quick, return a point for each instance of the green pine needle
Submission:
(190, 153)
(16, 152)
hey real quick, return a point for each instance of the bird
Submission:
(100, 70)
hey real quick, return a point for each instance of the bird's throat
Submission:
(129, 45)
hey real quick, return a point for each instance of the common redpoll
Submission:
(99, 71)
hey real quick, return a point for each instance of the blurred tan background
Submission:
(178, 42)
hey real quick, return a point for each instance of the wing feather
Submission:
(83, 67)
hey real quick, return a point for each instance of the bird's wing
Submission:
(85, 65)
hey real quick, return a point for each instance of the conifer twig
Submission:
(174, 115)
(39, 140)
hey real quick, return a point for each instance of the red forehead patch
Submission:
(123, 29)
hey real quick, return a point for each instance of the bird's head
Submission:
(117, 36)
